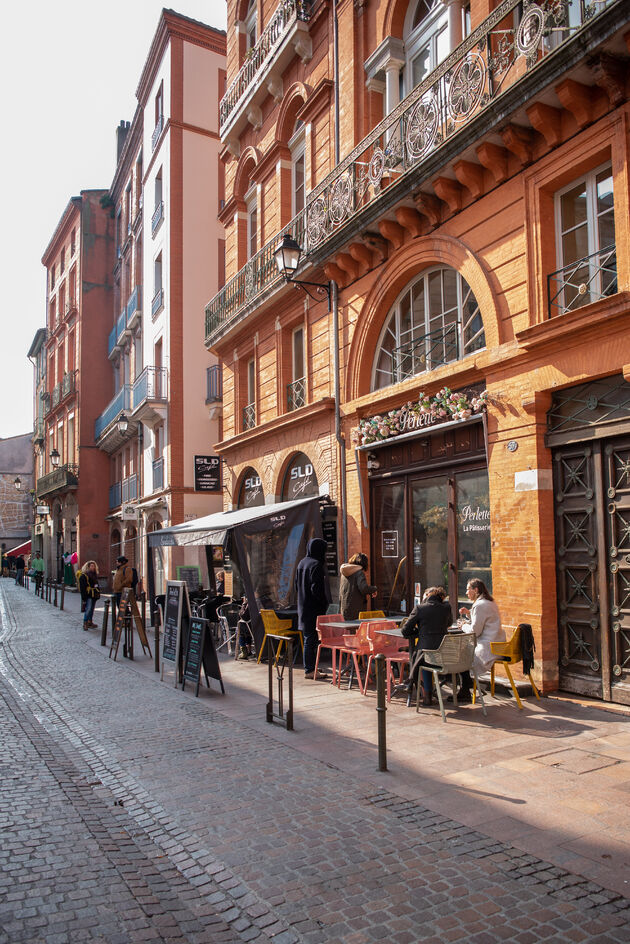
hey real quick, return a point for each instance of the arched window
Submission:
(251, 494)
(426, 39)
(300, 480)
(435, 320)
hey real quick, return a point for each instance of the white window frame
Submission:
(297, 146)
(427, 33)
(251, 26)
(251, 202)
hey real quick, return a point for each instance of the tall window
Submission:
(585, 241)
(296, 392)
(251, 199)
(251, 29)
(73, 242)
(158, 292)
(426, 40)
(52, 276)
(72, 286)
(435, 320)
(298, 173)
(62, 262)
(159, 104)
(71, 446)
(251, 381)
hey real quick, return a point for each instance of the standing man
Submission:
(19, 570)
(37, 564)
(313, 599)
(123, 577)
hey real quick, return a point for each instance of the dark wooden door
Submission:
(592, 503)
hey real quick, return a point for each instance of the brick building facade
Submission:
(456, 176)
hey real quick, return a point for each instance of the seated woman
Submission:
(429, 622)
(484, 620)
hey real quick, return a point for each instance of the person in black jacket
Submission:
(426, 628)
(312, 600)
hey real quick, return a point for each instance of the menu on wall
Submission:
(207, 473)
(389, 543)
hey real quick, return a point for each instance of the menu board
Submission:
(200, 653)
(207, 473)
(176, 598)
(191, 577)
(329, 531)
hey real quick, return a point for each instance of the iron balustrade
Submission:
(152, 384)
(122, 401)
(513, 42)
(157, 131)
(249, 416)
(158, 216)
(157, 302)
(158, 474)
(68, 384)
(582, 282)
(134, 303)
(111, 341)
(45, 403)
(66, 476)
(427, 352)
(296, 394)
(56, 395)
(214, 384)
(287, 13)
(121, 324)
(129, 488)
(114, 495)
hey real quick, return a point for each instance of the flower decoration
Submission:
(442, 407)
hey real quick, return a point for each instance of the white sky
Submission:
(68, 73)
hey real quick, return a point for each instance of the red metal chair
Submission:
(330, 637)
(357, 647)
(390, 647)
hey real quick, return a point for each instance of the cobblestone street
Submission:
(131, 811)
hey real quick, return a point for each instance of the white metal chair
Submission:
(228, 623)
(456, 654)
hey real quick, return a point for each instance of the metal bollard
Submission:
(63, 593)
(104, 626)
(156, 641)
(381, 709)
(55, 599)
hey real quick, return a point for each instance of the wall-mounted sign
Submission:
(251, 492)
(42, 509)
(207, 473)
(39, 529)
(389, 544)
(129, 512)
(300, 480)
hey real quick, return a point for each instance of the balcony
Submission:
(38, 433)
(56, 396)
(158, 474)
(286, 35)
(105, 425)
(114, 495)
(157, 131)
(129, 488)
(296, 394)
(65, 477)
(157, 303)
(111, 342)
(249, 416)
(121, 325)
(68, 384)
(498, 71)
(134, 307)
(45, 403)
(150, 395)
(158, 216)
(583, 282)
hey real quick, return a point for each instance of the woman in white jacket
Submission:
(484, 620)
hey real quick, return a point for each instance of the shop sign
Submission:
(475, 518)
(444, 407)
(42, 509)
(129, 512)
(300, 480)
(39, 529)
(252, 490)
(207, 473)
(389, 544)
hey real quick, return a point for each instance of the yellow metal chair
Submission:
(372, 614)
(274, 626)
(509, 653)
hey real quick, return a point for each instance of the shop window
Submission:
(435, 320)
(251, 494)
(426, 40)
(585, 243)
(300, 480)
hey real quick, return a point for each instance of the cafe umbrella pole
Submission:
(380, 711)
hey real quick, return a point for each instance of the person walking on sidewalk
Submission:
(88, 585)
(19, 570)
(313, 599)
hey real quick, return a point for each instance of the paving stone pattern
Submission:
(129, 812)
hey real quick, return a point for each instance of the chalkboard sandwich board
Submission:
(175, 603)
(200, 653)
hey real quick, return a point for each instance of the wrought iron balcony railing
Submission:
(45, 403)
(38, 433)
(115, 493)
(249, 416)
(157, 302)
(152, 384)
(122, 401)
(158, 216)
(214, 384)
(512, 43)
(134, 304)
(56, 395)
(68, 384)
(427, 352)
(287, 13)
(66, 476)
(296, 394)
(157, 131)
(583, 282)
(130, 488)
(111, 341)
(121, 324)
(158, 474)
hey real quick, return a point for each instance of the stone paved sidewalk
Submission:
(133, 811)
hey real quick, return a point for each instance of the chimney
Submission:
(121, 136)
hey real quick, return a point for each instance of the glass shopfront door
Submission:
(430, 530)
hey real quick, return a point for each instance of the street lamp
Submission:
(122, 424)
(18, 482)
(287, 257)
(54, 458)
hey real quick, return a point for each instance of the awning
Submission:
(212, 529)
(20, 549)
